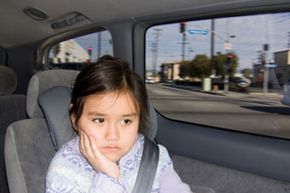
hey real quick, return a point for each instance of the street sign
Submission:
(271, 65)
(198, 31)
(227, 46)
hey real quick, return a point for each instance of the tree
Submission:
(184, 69)
(233, 65)
(218, 64)
(199, 67)
(222, 63)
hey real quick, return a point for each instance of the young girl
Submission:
(109, 112)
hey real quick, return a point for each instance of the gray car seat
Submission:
(12, 108)
(28, 145)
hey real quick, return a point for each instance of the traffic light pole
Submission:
(183, 46)
(226, 79)
(266, 75)
(266, 68)
(182, 30)
(226, 83)
(265, 83)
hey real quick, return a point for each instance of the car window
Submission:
(225, 72)
(76, 53)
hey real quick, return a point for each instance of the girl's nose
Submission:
(112, 133)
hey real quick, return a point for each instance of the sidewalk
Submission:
(222, 92)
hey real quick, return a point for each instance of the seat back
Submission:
(12, 108)
(28, 145)
(57, 114)
(8, 81)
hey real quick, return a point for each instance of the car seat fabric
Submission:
(28, 145)
(28, 151)
(45, 80)
(8, 80)
(12, 108)
(57, 114)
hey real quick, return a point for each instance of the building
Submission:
(169, 72)
(282, 59)
(69, 52)
(279, 72)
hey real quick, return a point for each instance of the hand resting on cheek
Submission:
(98, 161)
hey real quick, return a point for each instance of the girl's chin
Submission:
(113, 157)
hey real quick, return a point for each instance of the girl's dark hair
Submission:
(109, 74)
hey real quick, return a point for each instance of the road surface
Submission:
(256, 113)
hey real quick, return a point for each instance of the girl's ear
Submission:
(73, 118)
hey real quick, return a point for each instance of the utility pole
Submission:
(155, 50)
(189, 55)
(265, 59)
(227, 47)
(99, 44)
(212, 48)
(183, 32)
(266, 68)
(183, 46)
(226, 80)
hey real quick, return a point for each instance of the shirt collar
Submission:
(132, 159)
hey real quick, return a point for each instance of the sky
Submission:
(246, 34)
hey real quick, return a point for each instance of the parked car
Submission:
(240, 82)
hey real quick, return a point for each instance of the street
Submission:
(256, 113)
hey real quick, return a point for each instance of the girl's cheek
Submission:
(93, 132)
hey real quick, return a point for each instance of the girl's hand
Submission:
(97, 160)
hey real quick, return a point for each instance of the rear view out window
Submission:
(76, 53)
(228, 73)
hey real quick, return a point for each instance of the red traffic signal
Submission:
(182, 27)
(90, 49)
(230, 57)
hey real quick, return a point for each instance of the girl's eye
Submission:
(99, 120)
(127, 121)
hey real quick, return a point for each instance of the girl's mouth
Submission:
(110, 148)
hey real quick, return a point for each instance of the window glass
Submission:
(228, 72)
(75, 53)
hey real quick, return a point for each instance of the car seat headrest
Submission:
(43, 81)
(8, 80)
(55, 104)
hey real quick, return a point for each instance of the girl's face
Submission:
(112, 119)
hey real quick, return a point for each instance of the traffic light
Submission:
(230, 57)
(182, 27)
(89, 49)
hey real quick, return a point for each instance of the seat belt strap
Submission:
(148, 167)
